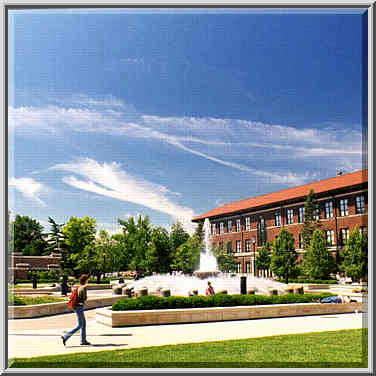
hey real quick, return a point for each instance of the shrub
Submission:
(313, 281)
(217, 300)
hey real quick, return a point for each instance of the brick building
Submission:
(246, 225)
(20, 266)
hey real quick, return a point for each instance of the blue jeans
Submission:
(81, 324)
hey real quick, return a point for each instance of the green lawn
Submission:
(16, 300)
(336, 349)
(30, 285)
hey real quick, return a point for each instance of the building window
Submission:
(238, 246)
(229, 226)
(330, 237)
(213, 229)
(221, 227)
(261, 231)
(247, 223)
(360, 206)
(238, 267)
(316, 213)
(248, 267)
(301, 214)
(248, 245)
(300, 241)
(329, 209)
(363, 230)
(343, 207)
(290, 216)
(344, 235)
(278, 219)
(238, 225)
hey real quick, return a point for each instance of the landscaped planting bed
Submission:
(217, 300)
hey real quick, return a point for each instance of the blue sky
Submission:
(173, 113)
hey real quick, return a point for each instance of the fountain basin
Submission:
(206, 274)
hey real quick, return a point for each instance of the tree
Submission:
(158, 255)
(226, 260)
(264, 257)
(78, 234)
(311, 219)
(96, 257)
(284, 256)
(318, 262)
(355, 255)
(27, 236)
(136, 241)
(55, 237)
(187, 256)
(178, 236)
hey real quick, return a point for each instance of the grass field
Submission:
(336, 349)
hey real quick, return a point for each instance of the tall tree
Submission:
(136, 241)
(284, 256)
(27, 236)
(78, 234)
(311, 219)
(264, 257)
(318, 262)
(55, 237)
(158, 255)
(178, 236)
(355, 255)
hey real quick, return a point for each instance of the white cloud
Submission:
(29, 188)
(238, 144)
(108, 179)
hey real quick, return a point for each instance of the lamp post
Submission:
(254, 255)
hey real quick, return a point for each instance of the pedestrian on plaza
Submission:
(209, 290)
(79, 309)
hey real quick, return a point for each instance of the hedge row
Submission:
(217, 300)
(313, 281)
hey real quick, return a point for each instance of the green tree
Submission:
(27, 236)
(355, 255)
(55, 237)
(318, 263)
(263, 258)
(178, 236)
(96, 257)
(78, 233)
(226, 260)
(158, 255)
(187, 256)
(311, 219)
(136, 241)
(284, 256)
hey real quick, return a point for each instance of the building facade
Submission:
(243, 227)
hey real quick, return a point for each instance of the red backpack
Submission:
(73, 299)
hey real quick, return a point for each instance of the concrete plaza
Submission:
(41, 336)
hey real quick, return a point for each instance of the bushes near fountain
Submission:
(218, 300)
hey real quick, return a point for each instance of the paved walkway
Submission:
(41, 336)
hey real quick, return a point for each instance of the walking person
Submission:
(79, 309)
(210, 289)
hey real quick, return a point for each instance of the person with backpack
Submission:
(76, 302)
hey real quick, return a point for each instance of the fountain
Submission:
(181, 285)
(208, 262)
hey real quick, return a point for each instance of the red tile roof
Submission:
(337, 182)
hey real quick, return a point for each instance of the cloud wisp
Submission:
(29, 188)
(237, 144)
(108, 179)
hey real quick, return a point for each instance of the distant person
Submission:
(209, 290)
(79, 309)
